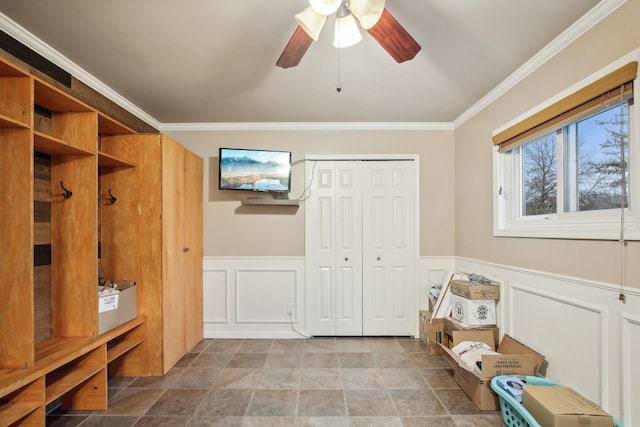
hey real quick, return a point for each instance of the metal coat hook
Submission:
(112, 198)
(67, 194)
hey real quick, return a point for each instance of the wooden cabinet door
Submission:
(193, 203)
(174, 280)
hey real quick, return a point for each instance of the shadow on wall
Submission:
(216, 195)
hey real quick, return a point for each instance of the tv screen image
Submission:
(254, 170)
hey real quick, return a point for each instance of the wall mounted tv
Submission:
(254, 170)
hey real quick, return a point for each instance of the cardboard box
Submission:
(473, 312)
(475, 290)
(514, 358)
(451, 324)
(432, 332)
(119, 308)
(557, 406)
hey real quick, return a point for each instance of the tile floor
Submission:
(332, 382)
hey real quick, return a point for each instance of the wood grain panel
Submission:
(16, 251)
(174, 298)
(16, 99)
(193, 232)
(74, 229)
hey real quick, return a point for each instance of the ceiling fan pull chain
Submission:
(339, 85)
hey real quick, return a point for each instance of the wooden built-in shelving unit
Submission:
(91, 154)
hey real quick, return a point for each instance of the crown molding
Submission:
(306, 126)
(32, 42)
(557, 45)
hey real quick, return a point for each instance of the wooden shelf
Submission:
(22, 403)
(66, 379)
(121, 347)
(9, 123)
(108, 126)
(50, 145)
(107, 160)
(270, 202)
(14, 411)
(56, 100)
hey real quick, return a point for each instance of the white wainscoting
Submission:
(590, 339)
(248, 297)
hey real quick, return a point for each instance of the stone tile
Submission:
(256, 346)
(320, 379)
(439, 377)
(65, 420)
(157, 381)
(369, 403)
(443, 421)
(162, 421)
(133, 401)
(210, 360)
(426, 360)
(224, 346)
(110, 421)
(392, 360)
(197, 378)
(320, 345)
(119, 382)
(383, 345)
(322, 422)
(320, 360)
(186, 360)
(413, 345)
(273, 403)
(288, 346)
(417, 403)
(212, 421)
(321, 403)
(352, 345)
(404, 378)
(201, 346)
(176, 402)
(237, 378)
(284, 360)
(375, 422)
(279, 378)
(248, 360)
(224, 403)
(479, 420)
(361, 379)
(356, 360)
(268, 421)
(457, 402)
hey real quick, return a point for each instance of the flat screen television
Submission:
(254, 170)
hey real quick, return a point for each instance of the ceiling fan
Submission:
(370, 14)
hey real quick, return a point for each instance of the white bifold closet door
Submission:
(360, 220)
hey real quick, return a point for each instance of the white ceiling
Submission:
(213, 61)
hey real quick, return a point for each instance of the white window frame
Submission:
(600, 224)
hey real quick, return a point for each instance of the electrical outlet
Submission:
(291, 308)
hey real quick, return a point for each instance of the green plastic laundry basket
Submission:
(513, 413)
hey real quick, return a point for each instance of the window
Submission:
(567, 171)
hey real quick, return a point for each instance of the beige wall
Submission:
(611, 39)
(231, 229)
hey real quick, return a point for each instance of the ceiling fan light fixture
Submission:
(325, 7)
(368, 12)
(346, 32)
(311, 22)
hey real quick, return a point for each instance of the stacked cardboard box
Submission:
(473, 303)
(432, 332)
(513, 358)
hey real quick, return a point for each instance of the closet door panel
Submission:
(348, 254)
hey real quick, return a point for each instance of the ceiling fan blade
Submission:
(295, 49)
(394, 38)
